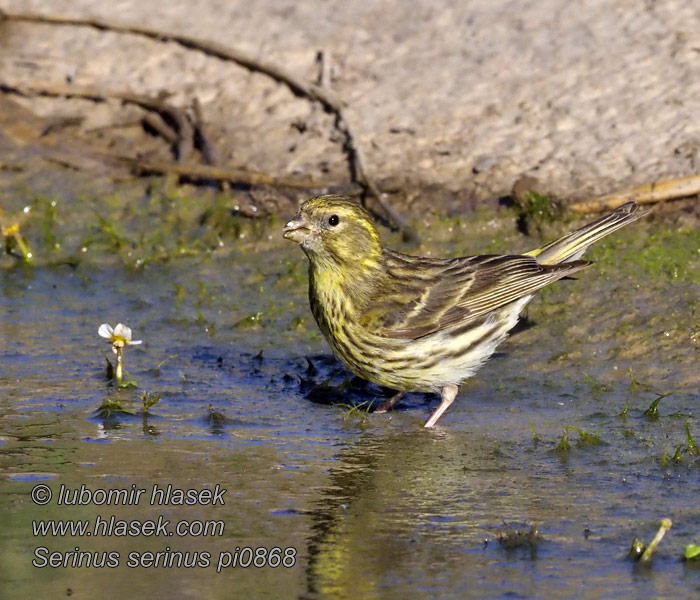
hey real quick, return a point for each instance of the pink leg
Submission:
(449, 392)
(389, 402)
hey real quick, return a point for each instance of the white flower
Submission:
(119, 336)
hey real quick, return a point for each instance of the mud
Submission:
(550, 433)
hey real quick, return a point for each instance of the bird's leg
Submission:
(449, 392)
(389, 402)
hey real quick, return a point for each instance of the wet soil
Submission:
(551, 432)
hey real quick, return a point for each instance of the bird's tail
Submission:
(573, 245)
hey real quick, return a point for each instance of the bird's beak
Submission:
(297, 230)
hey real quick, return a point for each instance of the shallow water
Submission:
(373, 505)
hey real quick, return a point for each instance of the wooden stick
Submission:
(202, 138)
(185, 131)
(650, 193)
(324, 69)
(220, 174)
(155, 122)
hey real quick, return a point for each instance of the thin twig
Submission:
(310, 90)
(61, 123)
(202, 138)
(155, 122)
(650, 193)
(185, 131)
(204, 143)
(220, 174)
(178, 117)
(324, 69)
(187, 170)
(359, 171)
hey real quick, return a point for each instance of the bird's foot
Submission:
(389, 402)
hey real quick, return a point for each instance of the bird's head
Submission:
(334, 231)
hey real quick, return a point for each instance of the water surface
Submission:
(374, 506)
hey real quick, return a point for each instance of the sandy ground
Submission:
(443, 95)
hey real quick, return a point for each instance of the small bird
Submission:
(422, 324)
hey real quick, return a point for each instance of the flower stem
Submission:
(23, 248)
(119, 370)
(665, 526)
(12, 233)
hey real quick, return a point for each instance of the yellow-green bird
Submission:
(422, 324)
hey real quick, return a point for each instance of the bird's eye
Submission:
(333, 220)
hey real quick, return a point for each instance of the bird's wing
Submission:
(421, 297)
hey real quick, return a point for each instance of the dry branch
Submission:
(202, 138)
(204, 172)
(310, 90)
(182, 126)
(649, 193)
(156, 123)
(359, 171)
(241, 176)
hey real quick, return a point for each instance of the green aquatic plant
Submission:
(519, 535)
(625, 409)
(49, 221)
(179, 294)
(636, 549)
(535, 437)
(692, 446)
(215, 418)
(111, 233)
(596, 387)
(692, 552)
(159, 366)
(641, 553)
(678, 454)
(636, 386)
(119, 337)
(652, 413)
(110, 407)
(536, 209)
(585, 438)
(249, 321)
(109, 369)
(564, 445)
(356, 410)
(149, 399)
